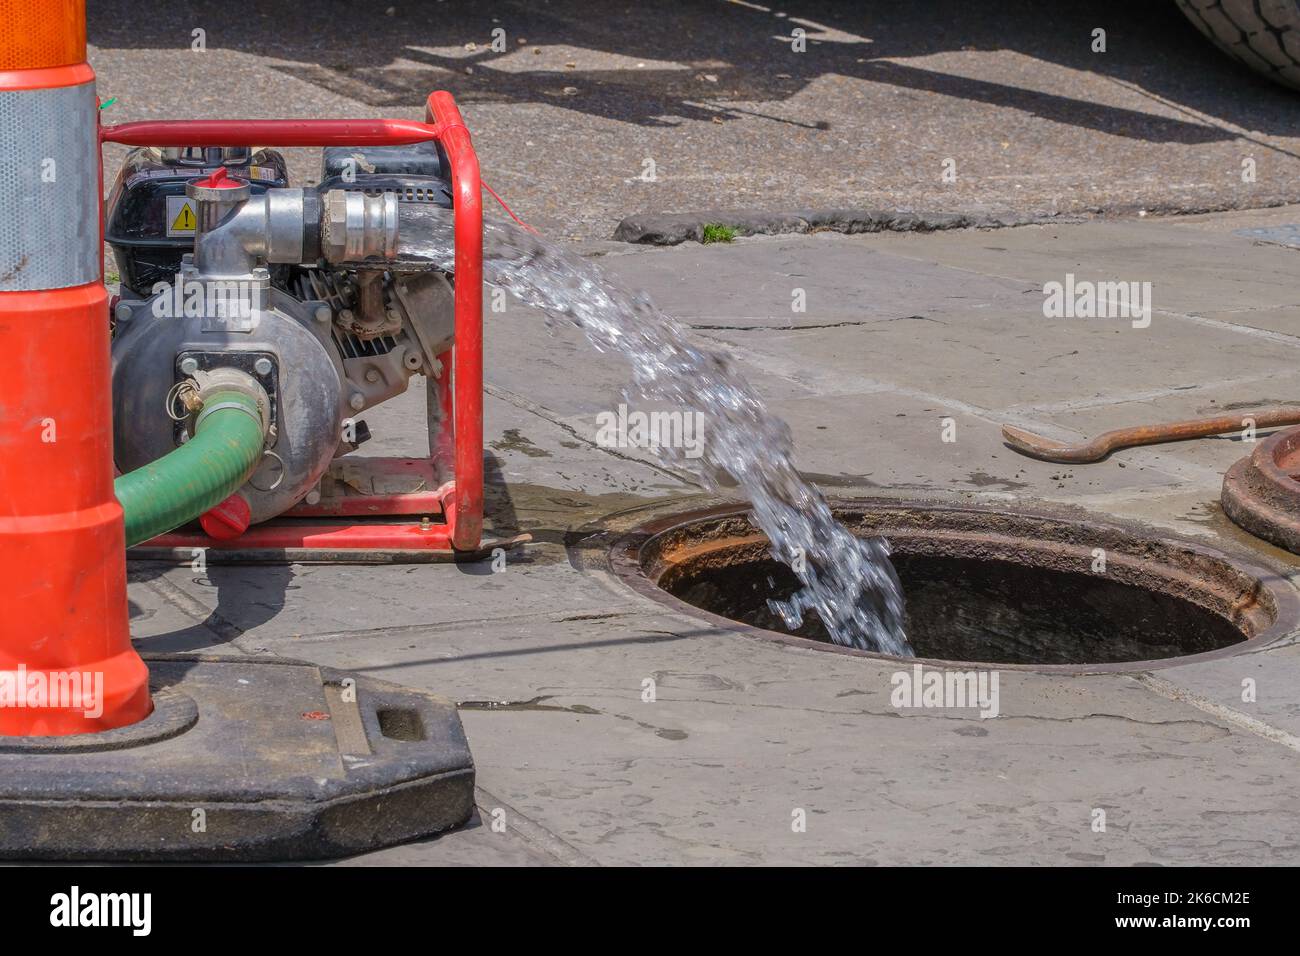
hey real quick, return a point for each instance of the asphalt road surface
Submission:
(879, 103)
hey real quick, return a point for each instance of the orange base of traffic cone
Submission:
(66, 661)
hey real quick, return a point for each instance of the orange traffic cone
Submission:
(66, 661)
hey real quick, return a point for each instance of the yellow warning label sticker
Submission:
(180, 216)
(184, 221)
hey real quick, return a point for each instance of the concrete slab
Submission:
(738, 736)
(890, 440)
(904, 791)
(766, 284)
(549, 657)
(1255, 688)
(1193, 269)
(548, 660)
(529, 444)
(266, 601)
(1186, 459)
(967, 356)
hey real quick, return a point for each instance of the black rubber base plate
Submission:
(242, 760)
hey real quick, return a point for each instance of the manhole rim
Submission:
(1259, 495)
(624, 559)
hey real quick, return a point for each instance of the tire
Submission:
(1263, 34)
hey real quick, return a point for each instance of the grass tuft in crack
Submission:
(716, 232)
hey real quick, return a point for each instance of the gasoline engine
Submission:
(234, 281)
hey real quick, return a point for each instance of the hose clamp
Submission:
(226, 379)
(209, 409)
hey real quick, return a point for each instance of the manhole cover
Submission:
(985, 587)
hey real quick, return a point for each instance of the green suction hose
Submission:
(203, 472)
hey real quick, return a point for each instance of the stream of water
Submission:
(848, 581)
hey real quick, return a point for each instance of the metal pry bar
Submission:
(1095, 449)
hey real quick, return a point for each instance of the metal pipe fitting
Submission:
(230, 240)
(236, 230)
(356, 227)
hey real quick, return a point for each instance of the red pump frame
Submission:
(457, 459)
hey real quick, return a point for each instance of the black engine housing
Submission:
(145, 207)
(143, 222)
(417, 173)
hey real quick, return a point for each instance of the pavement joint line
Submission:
(1280, 338)
(1235, 718)
(542, 412)
(1183, 471)
(532, 832)
(1187, 471)
(845, 324)
(225, 631)
(1104, 502)
(401, 630)
(600, 695)
(1140, 397)
(1285, 305)
(775, 366)
(643, 636)
(646, 227)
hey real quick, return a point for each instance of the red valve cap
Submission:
(228, 520)
(220, 179)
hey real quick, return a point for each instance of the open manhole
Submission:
(985, 587)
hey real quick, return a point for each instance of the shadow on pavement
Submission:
(392, 61)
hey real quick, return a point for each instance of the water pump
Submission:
(234, 279)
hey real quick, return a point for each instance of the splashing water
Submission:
(848, 581)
